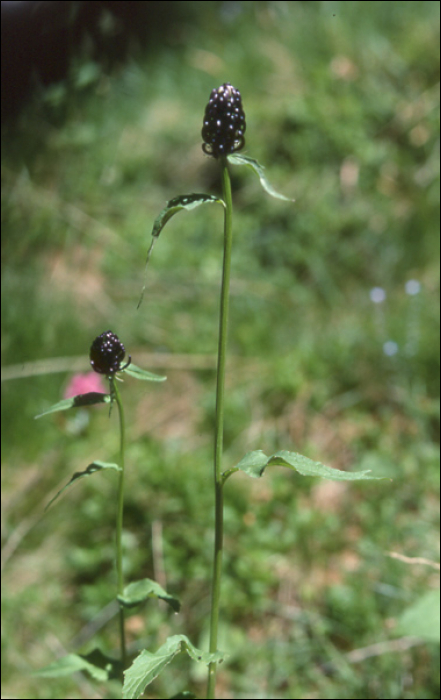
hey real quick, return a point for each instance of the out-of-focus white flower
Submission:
(390, 348)
(377, 295)
(412, 287)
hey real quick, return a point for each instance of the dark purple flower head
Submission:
(224, 122)
(106, 354)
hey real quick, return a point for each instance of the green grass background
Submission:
(342, 107)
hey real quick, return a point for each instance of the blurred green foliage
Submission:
(342, 106)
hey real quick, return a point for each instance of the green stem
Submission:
(219, 428)
(119, 518)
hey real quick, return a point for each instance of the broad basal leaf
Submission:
(239, 159)
(138, 591)
(96, 466)
(148, 666)
(93, 397)
(255, 463)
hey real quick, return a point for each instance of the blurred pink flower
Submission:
(83, 384)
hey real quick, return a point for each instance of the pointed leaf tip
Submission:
(255, 463)
(139, 373)
(89, 399)
(96, 466)
(239, 159)
(183, 201)
(98, 665)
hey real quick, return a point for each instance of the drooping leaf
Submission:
(239, 159)
(138, 591)
(139, 373)
(147, 666)
(255, 463)
(96, 466)
(183, 201)
(93, 397)
(98, 665)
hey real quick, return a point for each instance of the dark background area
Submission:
(40, 39)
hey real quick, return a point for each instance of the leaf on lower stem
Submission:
(89, 399)
(255, 463)
(138, 591)
(239, 159)
(147, 666)
(98, 665)
(96, 466)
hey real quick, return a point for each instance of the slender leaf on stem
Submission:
(183, 201)
(255, 463)
(98, 665)
(239, 159)
(138, 591)
(96, 466)
(139, 373)
(147, 666)
(93, 397)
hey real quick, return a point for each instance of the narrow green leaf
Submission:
(97, 664)
(147, 666)
(96, 466)
(239, 159)
(93, 397)
(183, 201)
(139, 373)
(138, 591)
(307, 467)
(255, 463)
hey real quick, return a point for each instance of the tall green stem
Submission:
(119, 518)
(219, 428)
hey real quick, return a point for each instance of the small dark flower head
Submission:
(224, 122)
(106, 354)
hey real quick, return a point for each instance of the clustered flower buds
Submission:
(224, 122)
(106, 354)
